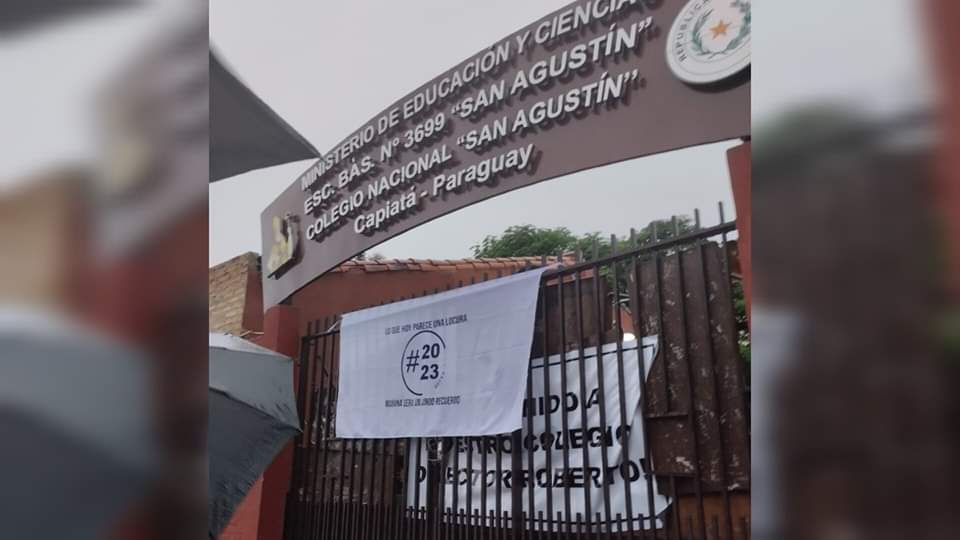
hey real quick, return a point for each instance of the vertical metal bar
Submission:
(455, 508)
(660, 332)
(359, 514)
(347, 501)
(362, 507)
(499, 439)
(328, 444)
(516, 473)
(350, 508)
(644, 406)
(485, 443)
(337, 506)
(329, 405)
(516, 486)
(499, 486)
(324, 444)
(382, 498)
(676, 507)
(416, 477)
(309, 425)
(564, 422)
(601, 393)
(434, 484)
(291, 517)
(661, 346)
(530, 475)
(482, 448)
(294, 494)
(691, 404)
(314, 440)
(712, 356)
(419, 523)
(624, 438)
(336, 485)
(477, 528)
(740, 365)
(374, 509)
(548, 450)
(400, 505)
(469, 466)
(386, 489)
(581, 365)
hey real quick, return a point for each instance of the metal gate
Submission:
(693, 415)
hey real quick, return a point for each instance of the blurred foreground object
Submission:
(154, 134)
(24, 15)
(253, 413)
(116, 106)
(245, 133)
(851, 284)
(943, 16)
(76, 429)
(44, 242)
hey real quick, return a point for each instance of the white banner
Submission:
(448, 364)
(620, 475)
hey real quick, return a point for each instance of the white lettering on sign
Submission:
(394, 132)
(514, 160)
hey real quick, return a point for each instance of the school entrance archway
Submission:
(596, 82)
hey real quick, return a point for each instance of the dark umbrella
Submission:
(76, 441)
(252, 416)
(245, 133)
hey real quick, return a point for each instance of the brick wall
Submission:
(236, 298)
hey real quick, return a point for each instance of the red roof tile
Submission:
(428, 265)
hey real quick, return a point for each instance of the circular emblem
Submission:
(709, 40)
(422, 363)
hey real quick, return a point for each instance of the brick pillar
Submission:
(942, 15)
(281, 332)
(738, 161)
(245, 523)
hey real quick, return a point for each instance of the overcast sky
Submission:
(52, 76)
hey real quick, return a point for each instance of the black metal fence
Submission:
(688, 477)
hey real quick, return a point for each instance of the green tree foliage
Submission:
(532, 241)
(526, 241)
(743, 326)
